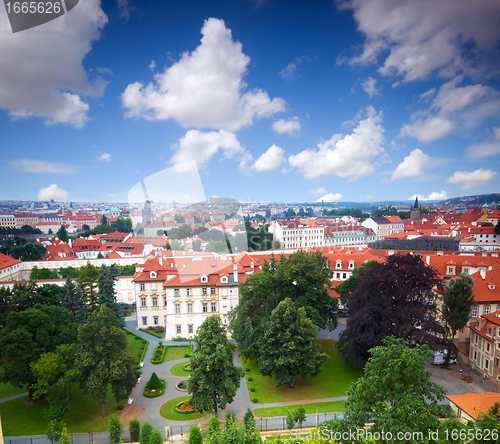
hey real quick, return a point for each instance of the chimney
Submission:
(235, 272)
(160, 260)
(482, 272)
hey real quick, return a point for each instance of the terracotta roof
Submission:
(7, 261)
(487, 289)
(473, 404)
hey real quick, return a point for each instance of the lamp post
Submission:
(296, 284)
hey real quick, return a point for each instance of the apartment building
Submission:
(298, 234)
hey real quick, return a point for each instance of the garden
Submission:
(181, 369)
(156, 331)
(136, 346)
(154, 387)
(174, 352)
(177, 409)
(333, 380)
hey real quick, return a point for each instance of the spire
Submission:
(416, 202)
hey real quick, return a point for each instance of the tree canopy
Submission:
(289, 347)
(214, 378)
(395, 297)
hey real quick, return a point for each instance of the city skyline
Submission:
(282, 101)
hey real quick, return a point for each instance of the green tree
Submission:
(180, 232)
(154, 383)
(179, 218)
(299, 415)
(55, 374)
(167, 246)
(85, 227)
(497, 228)
(395, 394)
(30, 333)
(196, 245)
(156, 437)
(106, 286)
(392, 298)
(347, 287)
(115, 430)
(290, 347)
(54, 430)
(486, 423)
(458, 300)
(42, 273)
(87, 283)
(72, 300)
(176, 245)
(214, 378)
(195, 436)
(104, 220)
(62, 234)
(135, 430)
(290, 420)
(104, 359)
(66, 272)
(146, 432)
(123, 225)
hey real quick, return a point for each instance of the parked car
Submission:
(439, 357)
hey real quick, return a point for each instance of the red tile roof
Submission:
(473, 404)
(7, 261)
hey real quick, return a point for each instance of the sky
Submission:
(260, 100)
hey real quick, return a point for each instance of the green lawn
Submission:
(334, 379)
(316, 407)
(7, 390)
(84, 415)
(177, 369)
(174, 352)
(168, 412)
(134, 345)
(152, 332)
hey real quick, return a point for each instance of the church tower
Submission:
(415, 211)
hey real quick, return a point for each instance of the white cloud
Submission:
(42, 77)
(52, 192)
(290, 71)
(370, 88)
(320, 190)
(422, 38)
(152, 66)
(41, 167)
(412, 166)
(348, 156)
(290, 126)
(270, 160)
(435, 195)
(204, 88)
(201, 146)
(452, 106)
(497, 133)
(104, 157)
(125, 8)
(331, 197)
(469, 180)
(481, 150)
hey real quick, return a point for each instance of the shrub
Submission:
(120, 407)
(250, 379)
(135, 430)
(115, 430)
(247, 369)
(154, 383)
(252, 389)
(195, 436)
(146, 432)
(156, 437)
(255, 400)
(186, 355)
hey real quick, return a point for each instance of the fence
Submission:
(174, 433)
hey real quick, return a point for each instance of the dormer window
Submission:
(152, 275)
(351, 265)
(224, 279)
(490, 286)
(204, 279)
(338, 264)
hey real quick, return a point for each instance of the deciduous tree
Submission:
(214, 378)
(104, 358)
(289, 347)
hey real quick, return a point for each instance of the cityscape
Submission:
(231, 222)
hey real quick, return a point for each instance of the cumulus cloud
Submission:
(412, 166)
(435, 195)
(418, 39)
(348, 156)
(481, 150)
(290, 126)
(104, 157)
(41, 167)
(201, 146)
(52, 192)
(270, 160)
(205, 88)
(331, 197)
(369, 86)
(42, 77)
(468, 180)
(496, 131)
(452, 106)
(320, 190)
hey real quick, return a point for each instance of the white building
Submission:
(298, 234)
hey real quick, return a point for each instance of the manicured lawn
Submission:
(316, 407)
(333, 380)
(84, 415)
(134, 345)
(7, 390)
(174, 352)
(168, 412)
(156, 333)
(177, 369)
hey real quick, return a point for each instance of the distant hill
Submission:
(479, 199)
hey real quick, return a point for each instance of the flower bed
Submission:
(161, 349)
(155, 393)
(184, 408)
(187, 368)
(155, 331)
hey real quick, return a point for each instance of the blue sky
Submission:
(361, 100)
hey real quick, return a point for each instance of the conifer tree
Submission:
(72, 300)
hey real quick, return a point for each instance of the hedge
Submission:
(128, 332)
(158, 392)
(183, 412)
(164, 349)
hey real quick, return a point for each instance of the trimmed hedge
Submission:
(156, 332)
(187, 369)
(159, 392)
(146, 343)
(164, 349)
(183, 412)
